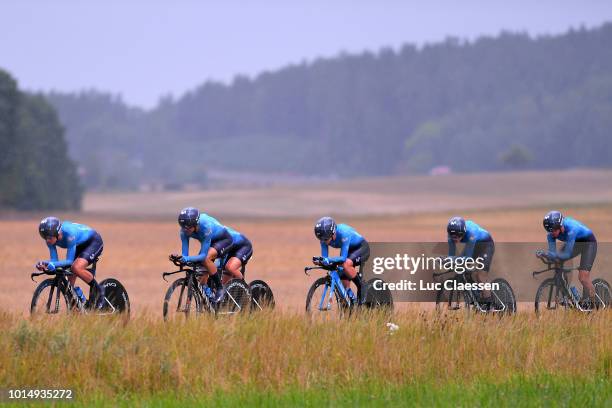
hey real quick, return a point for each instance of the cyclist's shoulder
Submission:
(209, 220)
(573, 223)
(346, 230)
(235, 234)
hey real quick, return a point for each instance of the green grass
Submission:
(276, 359)
(542, 390)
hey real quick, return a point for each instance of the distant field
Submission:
(375, 196)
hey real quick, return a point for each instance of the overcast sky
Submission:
(146, 49)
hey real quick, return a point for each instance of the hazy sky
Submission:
(145, 49)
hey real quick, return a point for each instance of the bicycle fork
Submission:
(331, 287)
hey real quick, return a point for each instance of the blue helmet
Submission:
(49, 227)
(325, 228)
(189, 217)
(552, 221)
(456, 227)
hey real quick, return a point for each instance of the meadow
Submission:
(286, 359)
(282, 358)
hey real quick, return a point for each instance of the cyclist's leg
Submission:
(87, 253)
(232, 267)
(238, 258)
(218, 248)
(484, 250)
(588, 252)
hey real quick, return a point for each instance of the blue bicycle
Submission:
(328, 294)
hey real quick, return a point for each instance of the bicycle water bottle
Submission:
(80, 294)
(575, 293)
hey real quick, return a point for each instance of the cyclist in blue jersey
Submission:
(478, 244)
(354, 249)
(579, 240)
(237, 257)
(215, 241)
(83, 246)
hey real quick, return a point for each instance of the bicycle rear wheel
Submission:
(551, 298)
(503, 300)
(381, 299)
(49, 299)
(261, 296)
(117, 300)
(181, 301)
(603, 294)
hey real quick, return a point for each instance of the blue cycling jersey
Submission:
(72, 235)
(237, 237)
(473, 234)
(346, 238)
(208, 230)
(572, 231)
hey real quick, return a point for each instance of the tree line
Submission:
(495, 103)
(36, 171)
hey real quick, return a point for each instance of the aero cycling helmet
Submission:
(189, 217)
(49, 227)
(553, 220)
(456, 227)
(325, 228)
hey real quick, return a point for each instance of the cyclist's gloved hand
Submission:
(325, 262)
(41, 266)
(540, 253)
(174, 257)
(317, 260)
(50, 266)
(551, 255)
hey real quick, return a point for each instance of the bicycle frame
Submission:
(334, 282)
(193, 285)
(60, 277)
(471, 295)
(562, 284)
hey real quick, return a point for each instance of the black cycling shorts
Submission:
(587, 249)
(91, 249)
(359, 254)
(244, 251)
(484, 250)
(222, 244)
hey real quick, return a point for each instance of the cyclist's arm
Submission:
(452, 248)
(468, 251)
(569, 247)
(552, 244)
(184, 244)
(203, 249)
(343, 251)
(70, 254)
(324, 250)
(52, 253)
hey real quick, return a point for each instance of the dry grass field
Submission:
(452, 360)
(136, 251)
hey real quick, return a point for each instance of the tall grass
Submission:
(279, 353)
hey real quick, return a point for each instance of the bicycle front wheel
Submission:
(181, 301)
(551, 298)
(49, 299)
(324, 305)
